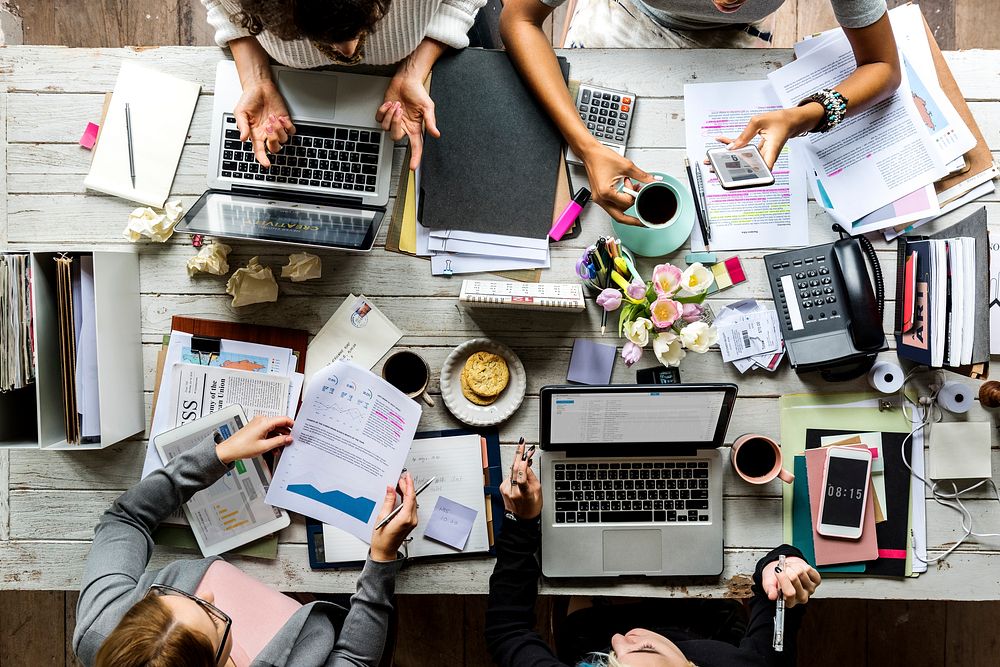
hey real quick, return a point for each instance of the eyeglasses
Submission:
(217, 615)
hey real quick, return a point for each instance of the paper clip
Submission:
(448, 271)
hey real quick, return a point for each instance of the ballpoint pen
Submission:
(131, 155)
(394, 512)
(696, 198)
(778, 643)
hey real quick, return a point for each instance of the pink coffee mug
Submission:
(757, 459)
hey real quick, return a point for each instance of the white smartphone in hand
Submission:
(740, 168)
(846, 478)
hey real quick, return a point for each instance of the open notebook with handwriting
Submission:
(467, 467)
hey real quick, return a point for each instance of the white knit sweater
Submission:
(394, 37)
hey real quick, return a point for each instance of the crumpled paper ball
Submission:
(302, 266)
(152, 224)
(211, 258)
(252, 284)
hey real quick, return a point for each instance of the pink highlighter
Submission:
(569, 214)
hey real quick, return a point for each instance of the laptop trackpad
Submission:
(633, 550)
(309, 94)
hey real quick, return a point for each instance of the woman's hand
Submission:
(261, 434)
(797, 581)
(605, 170)
(522, 492)
(261, 116)
(406, 111)
(387, 540)
(774, 129)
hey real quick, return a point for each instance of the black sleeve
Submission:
(510, 611)
(760, 630)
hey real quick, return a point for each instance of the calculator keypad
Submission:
(607, 113)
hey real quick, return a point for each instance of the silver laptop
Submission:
(631, 479)
(328, 187)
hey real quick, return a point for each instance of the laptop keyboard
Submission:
(329, 158)
(639, 492)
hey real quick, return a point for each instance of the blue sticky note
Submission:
(450, 523)
(591, 362)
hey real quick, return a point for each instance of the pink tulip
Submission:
(631, 353)
(610, 299)
(636, 290)
(692, 312)
(664, 312)
(666, 279)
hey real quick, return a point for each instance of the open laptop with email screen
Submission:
(631, 479)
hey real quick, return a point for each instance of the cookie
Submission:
(486, 374)
(472, 396)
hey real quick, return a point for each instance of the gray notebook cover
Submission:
(494, 168)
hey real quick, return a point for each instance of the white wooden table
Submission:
(50, 502)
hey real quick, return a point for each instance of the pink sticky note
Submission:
(89, 137)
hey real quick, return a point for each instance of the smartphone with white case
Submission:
(846, 479)
(740, 168)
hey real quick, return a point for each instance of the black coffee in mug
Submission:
(756, 457)
(656, 204)
(405, 371)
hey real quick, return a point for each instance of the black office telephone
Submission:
(829, 308)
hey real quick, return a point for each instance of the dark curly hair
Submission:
(326, 21)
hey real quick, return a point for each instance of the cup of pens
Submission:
(608, 263)
(665, 209)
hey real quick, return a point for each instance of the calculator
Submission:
(607, 114)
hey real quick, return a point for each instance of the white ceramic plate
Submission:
(464, 409)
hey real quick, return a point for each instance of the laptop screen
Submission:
(636, 415)
(264, 219)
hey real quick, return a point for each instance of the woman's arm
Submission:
(532, 54)
(877, 76)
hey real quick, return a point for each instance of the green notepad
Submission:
(802, 529)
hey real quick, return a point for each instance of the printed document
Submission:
(765, 217)
(201, 390)
(349, 443)
(872, 158)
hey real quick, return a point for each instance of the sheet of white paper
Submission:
(449, 263)
(437, 245)
(764, 217)
(870, 159)
(87, 398)
(358, 331)
(909, 208)
(198, 391)
(161, 108)
(349, 442)
(490, 239)
(233, 354)
(974, 194)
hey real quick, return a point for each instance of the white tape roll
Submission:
(956, 397)
(886, 377)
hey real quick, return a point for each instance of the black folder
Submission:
(494, 169)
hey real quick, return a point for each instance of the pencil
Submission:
(394, 512)
(696, 198)
(131, 156)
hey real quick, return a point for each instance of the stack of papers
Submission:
(861, 171)
(261, 378)
(750, 336)
(17, 367)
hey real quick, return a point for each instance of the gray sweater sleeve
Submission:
(123, 542)
(362, 638)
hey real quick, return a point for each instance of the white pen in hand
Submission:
(778, 643)
(390, 515)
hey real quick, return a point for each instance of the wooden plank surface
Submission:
(28, 635)
(55, 499)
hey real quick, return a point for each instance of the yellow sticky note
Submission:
(408, 234)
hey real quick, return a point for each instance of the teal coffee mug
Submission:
(666, 211)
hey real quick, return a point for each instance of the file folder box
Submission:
(32, 417)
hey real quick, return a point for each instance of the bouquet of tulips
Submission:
(666, 311)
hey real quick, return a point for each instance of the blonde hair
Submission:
(609, 659)
(149, 636)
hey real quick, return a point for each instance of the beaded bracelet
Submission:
(834, 106)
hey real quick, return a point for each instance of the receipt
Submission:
(252, 284)
(748, 335)
(211, 258)
(302, 266)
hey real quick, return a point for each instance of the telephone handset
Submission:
(830, 310)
